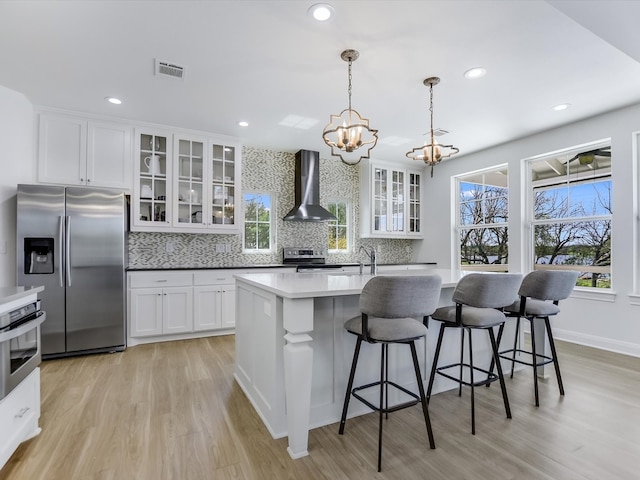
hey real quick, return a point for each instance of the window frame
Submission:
(348, 226)
(272, 222)
(598, 293)
(459, 227)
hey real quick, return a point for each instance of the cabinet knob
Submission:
(81, 179)
(88, 180)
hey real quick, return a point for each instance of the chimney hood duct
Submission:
(307, 207)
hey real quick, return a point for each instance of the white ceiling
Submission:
(262, 60)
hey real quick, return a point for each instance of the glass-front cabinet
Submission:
(152, 187)
(390, 202)
(188, 178)
(223, 185)
(186, 183)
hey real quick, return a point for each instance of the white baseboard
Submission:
(617, 346)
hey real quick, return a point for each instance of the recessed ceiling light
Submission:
(114, 100)
(475, 72)
(561, 106)
(242, 123)
(321, 12)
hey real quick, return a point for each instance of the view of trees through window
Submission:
(571, 214)
(257, 221)
(338, 229)
(482, 220)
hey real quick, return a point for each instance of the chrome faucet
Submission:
(371, 251)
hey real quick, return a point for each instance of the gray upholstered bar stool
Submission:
(478, 299)
(390, 308)
(540, 293)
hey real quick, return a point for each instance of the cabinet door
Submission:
(223, 187)
(228, 307)
(415, 194)
(109, 155)
(380, 200)
(206, 313)
(152, 189)
(62, 149)
(177, 310)
(146, 312)
(189, 195)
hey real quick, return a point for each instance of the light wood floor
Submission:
(173, 411)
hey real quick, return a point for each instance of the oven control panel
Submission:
(303, 255)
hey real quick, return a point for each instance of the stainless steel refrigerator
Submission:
(72, 241)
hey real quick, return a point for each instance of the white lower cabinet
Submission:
(214, 295)
(172, 305)
(19, 414)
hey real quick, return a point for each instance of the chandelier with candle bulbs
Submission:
(349, 132)
(432, 152)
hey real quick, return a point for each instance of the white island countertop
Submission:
(9, 294)
(310, 285)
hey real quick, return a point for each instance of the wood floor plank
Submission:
(173, 411)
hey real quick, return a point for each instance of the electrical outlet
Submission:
(379, 249)
(220, 248)
(228, 247)
(168, 247)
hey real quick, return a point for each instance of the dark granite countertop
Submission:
(271, 265)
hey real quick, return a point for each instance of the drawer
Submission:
(216, 277)
(160, 279)
(19, 412)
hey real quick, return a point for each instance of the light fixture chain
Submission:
(349, 91)
(431, 110)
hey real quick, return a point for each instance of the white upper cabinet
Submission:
(390, 201)
(185, 183)
(74, 150)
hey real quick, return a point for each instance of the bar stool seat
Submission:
(390, 308)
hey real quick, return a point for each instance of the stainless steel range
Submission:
(307, 259)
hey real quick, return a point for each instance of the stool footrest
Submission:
(393, 408)
(490, 376)
(503, 354)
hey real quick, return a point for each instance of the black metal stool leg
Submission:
(381, 416)
(423, 398)
(352, 374)
(534, 362)
(471, 384)
(432, 376)
(552, 344)
(462, 332)
(503, 387)
(493, 361)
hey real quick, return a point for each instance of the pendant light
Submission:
(432, 152)
(348, 131)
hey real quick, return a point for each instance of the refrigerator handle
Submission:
(60, 243)
(68, 245)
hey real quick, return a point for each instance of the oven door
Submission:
(20, 352)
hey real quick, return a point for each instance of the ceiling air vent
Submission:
(172, 70)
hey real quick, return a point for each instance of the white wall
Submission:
(613, 322)
(17, 165)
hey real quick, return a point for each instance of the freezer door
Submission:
(40, 256)
(95, 230)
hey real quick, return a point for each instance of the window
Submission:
(258, 228)
(571, 213)
(339, 228)
(482, 220)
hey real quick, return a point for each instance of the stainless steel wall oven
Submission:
(20, 348)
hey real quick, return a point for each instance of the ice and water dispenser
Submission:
(38, 256)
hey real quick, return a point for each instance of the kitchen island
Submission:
(293, 354)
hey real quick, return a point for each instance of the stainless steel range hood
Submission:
(307, 189)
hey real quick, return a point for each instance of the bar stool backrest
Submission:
(552, 285)
(401, 297)
(487, 290)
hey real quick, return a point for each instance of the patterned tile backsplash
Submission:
(268, 171)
